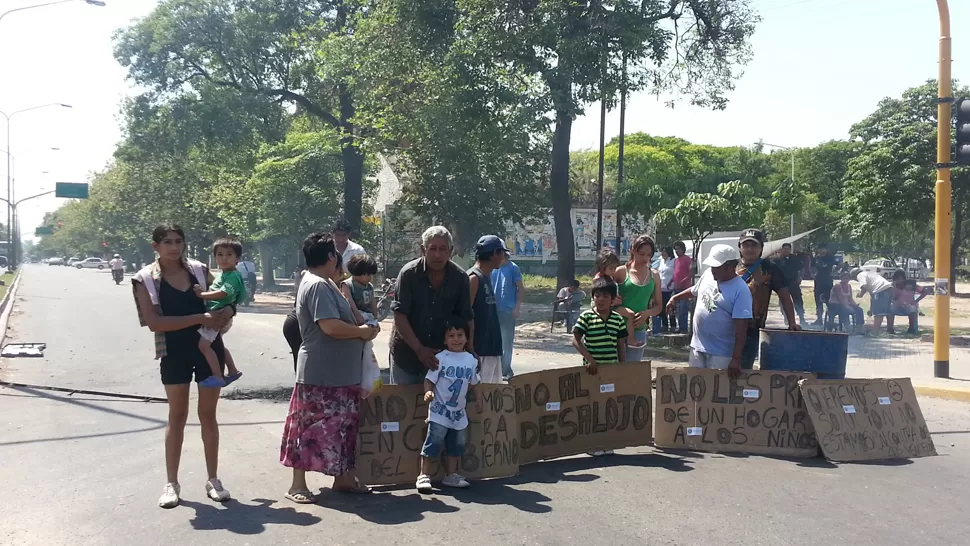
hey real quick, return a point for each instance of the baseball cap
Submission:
(721, 254)
(490, 243)
(752, 234)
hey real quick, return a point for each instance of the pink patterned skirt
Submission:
(320, 434)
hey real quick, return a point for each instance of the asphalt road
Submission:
(88, 470)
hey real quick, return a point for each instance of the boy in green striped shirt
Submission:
(599, 332)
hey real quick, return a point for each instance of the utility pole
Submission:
(941, 318)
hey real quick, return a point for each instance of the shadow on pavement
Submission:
(384, 509)
(245, 519)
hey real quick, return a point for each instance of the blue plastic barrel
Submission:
(822, 353)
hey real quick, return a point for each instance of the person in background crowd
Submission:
(639, 286)
(247, 269)
(880, 295)
(490, 252)
(291, 325)
(358, 288)
(842, 304)
(664, 322)
(509, 292)
(345, 247)
(116, 263)
(605, 265)
(722, 314)
(430, 290)
(564, 302)
(791, 265)
(822, 267)
(320, 433)
(168, 305)
(763, 277)
(683, 279)
(906, 298)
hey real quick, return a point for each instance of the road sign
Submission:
(71, 190)
(44, 230)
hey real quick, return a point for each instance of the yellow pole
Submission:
(941, 318)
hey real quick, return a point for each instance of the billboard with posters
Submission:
(535, 239)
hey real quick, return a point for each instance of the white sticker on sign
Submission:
(552, 406)
(751, 393)
(390, 427)
(695, 431)
(848, 409)
(607, 387)
(884, 401)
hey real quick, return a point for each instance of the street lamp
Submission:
(97, 3)
(8, 117)
(792, 150)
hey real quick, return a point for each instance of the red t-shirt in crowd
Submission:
(683, 279)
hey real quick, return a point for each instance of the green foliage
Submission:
(890, 183)
(698, 215)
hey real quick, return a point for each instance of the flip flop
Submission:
(233, 377)
(301, 497)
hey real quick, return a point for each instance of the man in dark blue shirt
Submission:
(822, 266)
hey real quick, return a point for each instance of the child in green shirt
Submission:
(228, 289)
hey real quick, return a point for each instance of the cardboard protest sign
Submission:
(867, 419)
(567, 411)
(393, 429)
(760, 412)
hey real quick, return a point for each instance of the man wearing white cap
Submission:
(722, 313)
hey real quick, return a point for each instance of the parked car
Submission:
(916, 269)
(55, 261)
(91, 263)
(882, 266)
(71, 262)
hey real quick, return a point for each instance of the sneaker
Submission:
(170, 498)
(423, 484)
(455, 480)
(215, 491)
(213, 382)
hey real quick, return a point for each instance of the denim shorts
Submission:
(440, 436)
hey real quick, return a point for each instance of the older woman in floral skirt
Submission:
(320, 433)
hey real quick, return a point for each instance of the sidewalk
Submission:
(910, 357)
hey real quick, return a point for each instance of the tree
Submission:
(698, 215)
(890, 184)
(292, 51)
(574, 51)
(475, 149)
(296, 188)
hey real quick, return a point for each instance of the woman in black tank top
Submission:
(176, 321)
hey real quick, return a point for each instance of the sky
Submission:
(819, 66)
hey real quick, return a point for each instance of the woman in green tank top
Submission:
(639, 288)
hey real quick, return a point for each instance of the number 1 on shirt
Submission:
(455, 388)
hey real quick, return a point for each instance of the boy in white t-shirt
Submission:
(445, 390)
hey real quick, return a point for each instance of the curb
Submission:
(6, 306)
(947, 394)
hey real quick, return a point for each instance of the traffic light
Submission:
(962, 154)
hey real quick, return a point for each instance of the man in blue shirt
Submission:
(509, 290)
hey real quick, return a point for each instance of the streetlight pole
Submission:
(13, 251)
(792, 150)
(97, 3)
(941, 318)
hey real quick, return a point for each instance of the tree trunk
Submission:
(561, 202)
(353, 160)
(266, 263)
(955, 247)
